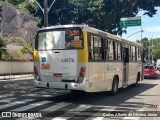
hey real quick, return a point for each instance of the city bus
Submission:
(83, 58)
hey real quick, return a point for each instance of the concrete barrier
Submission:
(15, 68)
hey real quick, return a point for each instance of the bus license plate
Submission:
(57, 74)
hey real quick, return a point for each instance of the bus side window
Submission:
(106, 51)
(111, 50)
(119, 51)
(97, 48)
(135, 53)
(90, 47)
(103, 49)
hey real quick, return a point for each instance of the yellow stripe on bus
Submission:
(36, 56)
(83, 54)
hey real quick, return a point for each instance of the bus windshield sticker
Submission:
(76, 43)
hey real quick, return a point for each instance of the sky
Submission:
(150, 25)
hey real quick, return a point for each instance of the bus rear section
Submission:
(56, 63)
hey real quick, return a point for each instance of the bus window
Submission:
(111, 50)
(134, 52)
(106, 49)
(116, 50)
(139, 54)
(131, 53)
(97, 48)
(90, 47)
(119, 51)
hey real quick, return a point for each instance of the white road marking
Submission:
(50, 109)
(15, 103)
(77, 110)
(23, 108)
(100, 118)
(8, 100)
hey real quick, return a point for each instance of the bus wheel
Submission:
(137, 79)
(115, 86)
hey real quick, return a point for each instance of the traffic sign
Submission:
(130, 21)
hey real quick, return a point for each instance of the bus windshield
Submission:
(62, 38)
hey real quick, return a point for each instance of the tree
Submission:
(2, 47)
(150, 49)
(0, 17)
(156, 50)
(102, 14)
(145, 42)
(25, 38)
(28, 35)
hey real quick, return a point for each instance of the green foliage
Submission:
(156, 49)
(102, 14)
(5, 56)
(2, 47)
(27, 48)
(0, 15)
(145, 43)
(151, 47)
(15, 2)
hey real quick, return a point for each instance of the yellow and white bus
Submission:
(82, 58)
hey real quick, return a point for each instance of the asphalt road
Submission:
(138, 102)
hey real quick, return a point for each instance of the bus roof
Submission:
(93, 30)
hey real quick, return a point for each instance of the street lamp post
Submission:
(135, 33)
(45, 10)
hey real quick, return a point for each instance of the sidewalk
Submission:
(9, 77)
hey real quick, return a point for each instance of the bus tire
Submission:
(137, 79)
(115, 86)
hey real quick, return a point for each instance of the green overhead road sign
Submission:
(131, 21)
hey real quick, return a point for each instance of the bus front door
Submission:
(125, 55)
